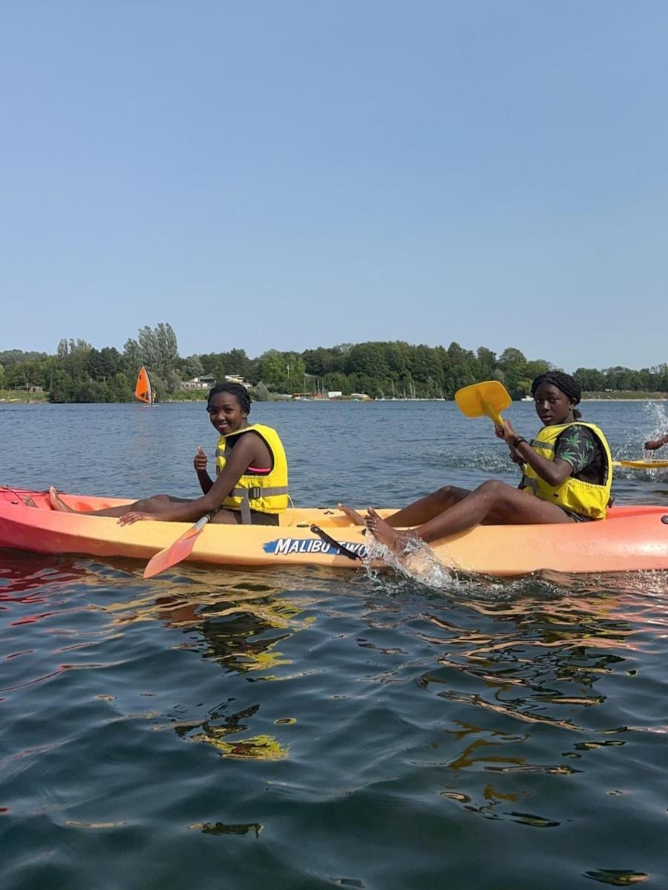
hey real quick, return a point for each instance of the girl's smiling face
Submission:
(225, 413)
(552, 405)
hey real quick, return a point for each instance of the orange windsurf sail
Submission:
(143, 390)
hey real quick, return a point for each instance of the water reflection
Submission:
(519, 693)
(219, 729)
(253, 828)
(532, 680)
(546, 657)
(23, 579)
(240, 626)
(617, 877)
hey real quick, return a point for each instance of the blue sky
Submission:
(298, 173)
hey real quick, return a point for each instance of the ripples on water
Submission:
(310, 729)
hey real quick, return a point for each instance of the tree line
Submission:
(79, 372)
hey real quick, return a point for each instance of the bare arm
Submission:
(653, 444)
(249, 450)
(554, 472)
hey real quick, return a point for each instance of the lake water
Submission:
(314, 729)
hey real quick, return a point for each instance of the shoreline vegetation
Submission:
(14, 397)
(389, 371)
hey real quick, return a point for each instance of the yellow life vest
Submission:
(266, 494)
(585, 498)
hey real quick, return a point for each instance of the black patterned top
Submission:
(580, 448)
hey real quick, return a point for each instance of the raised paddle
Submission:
(177, 551)
(486, 399)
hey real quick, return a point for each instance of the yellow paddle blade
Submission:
(641, 464)
(177, 551)
(486, 399)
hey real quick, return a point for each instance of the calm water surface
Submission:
(314, 729)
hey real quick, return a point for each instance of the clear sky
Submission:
(299, 173)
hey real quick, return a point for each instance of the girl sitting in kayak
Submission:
(567, 475)
(251, 484)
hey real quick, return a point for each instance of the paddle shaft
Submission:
(493, 415)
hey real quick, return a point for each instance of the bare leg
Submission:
(510, 505)
(154, 504)
(419, 511)
(428, 507)
(57, 503)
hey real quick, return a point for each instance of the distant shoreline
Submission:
(18, 397)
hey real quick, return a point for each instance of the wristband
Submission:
(517, 441)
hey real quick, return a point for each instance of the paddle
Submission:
(177, 551)
(486, 399)
(641, 464)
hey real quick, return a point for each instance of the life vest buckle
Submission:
(254, 493)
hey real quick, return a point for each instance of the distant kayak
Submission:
(630, 539)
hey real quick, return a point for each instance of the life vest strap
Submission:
(531, 484)
(253, 494)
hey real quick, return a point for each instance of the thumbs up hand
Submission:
(200, 460)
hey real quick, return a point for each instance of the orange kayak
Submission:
(631, 539)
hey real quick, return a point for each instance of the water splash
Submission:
(656, 415)
(416, 561)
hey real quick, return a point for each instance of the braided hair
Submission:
(567, 384)
(239, 392)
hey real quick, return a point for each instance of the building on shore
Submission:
(206, 381)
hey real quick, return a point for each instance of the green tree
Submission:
(133, 355)
(156, 348)
(261, 393)
(120, 388)
(367, 359)
(24, 374)
(427, 368)
(514, 366)
(212, 363)
(590, 379)
(273, 369)
(238, 362)
(192, 367)
(103, 364)
(486, 363)
(618, 378)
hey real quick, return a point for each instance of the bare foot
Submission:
(57, 503)
(384, 533)
(355, 517)
(28, 501)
